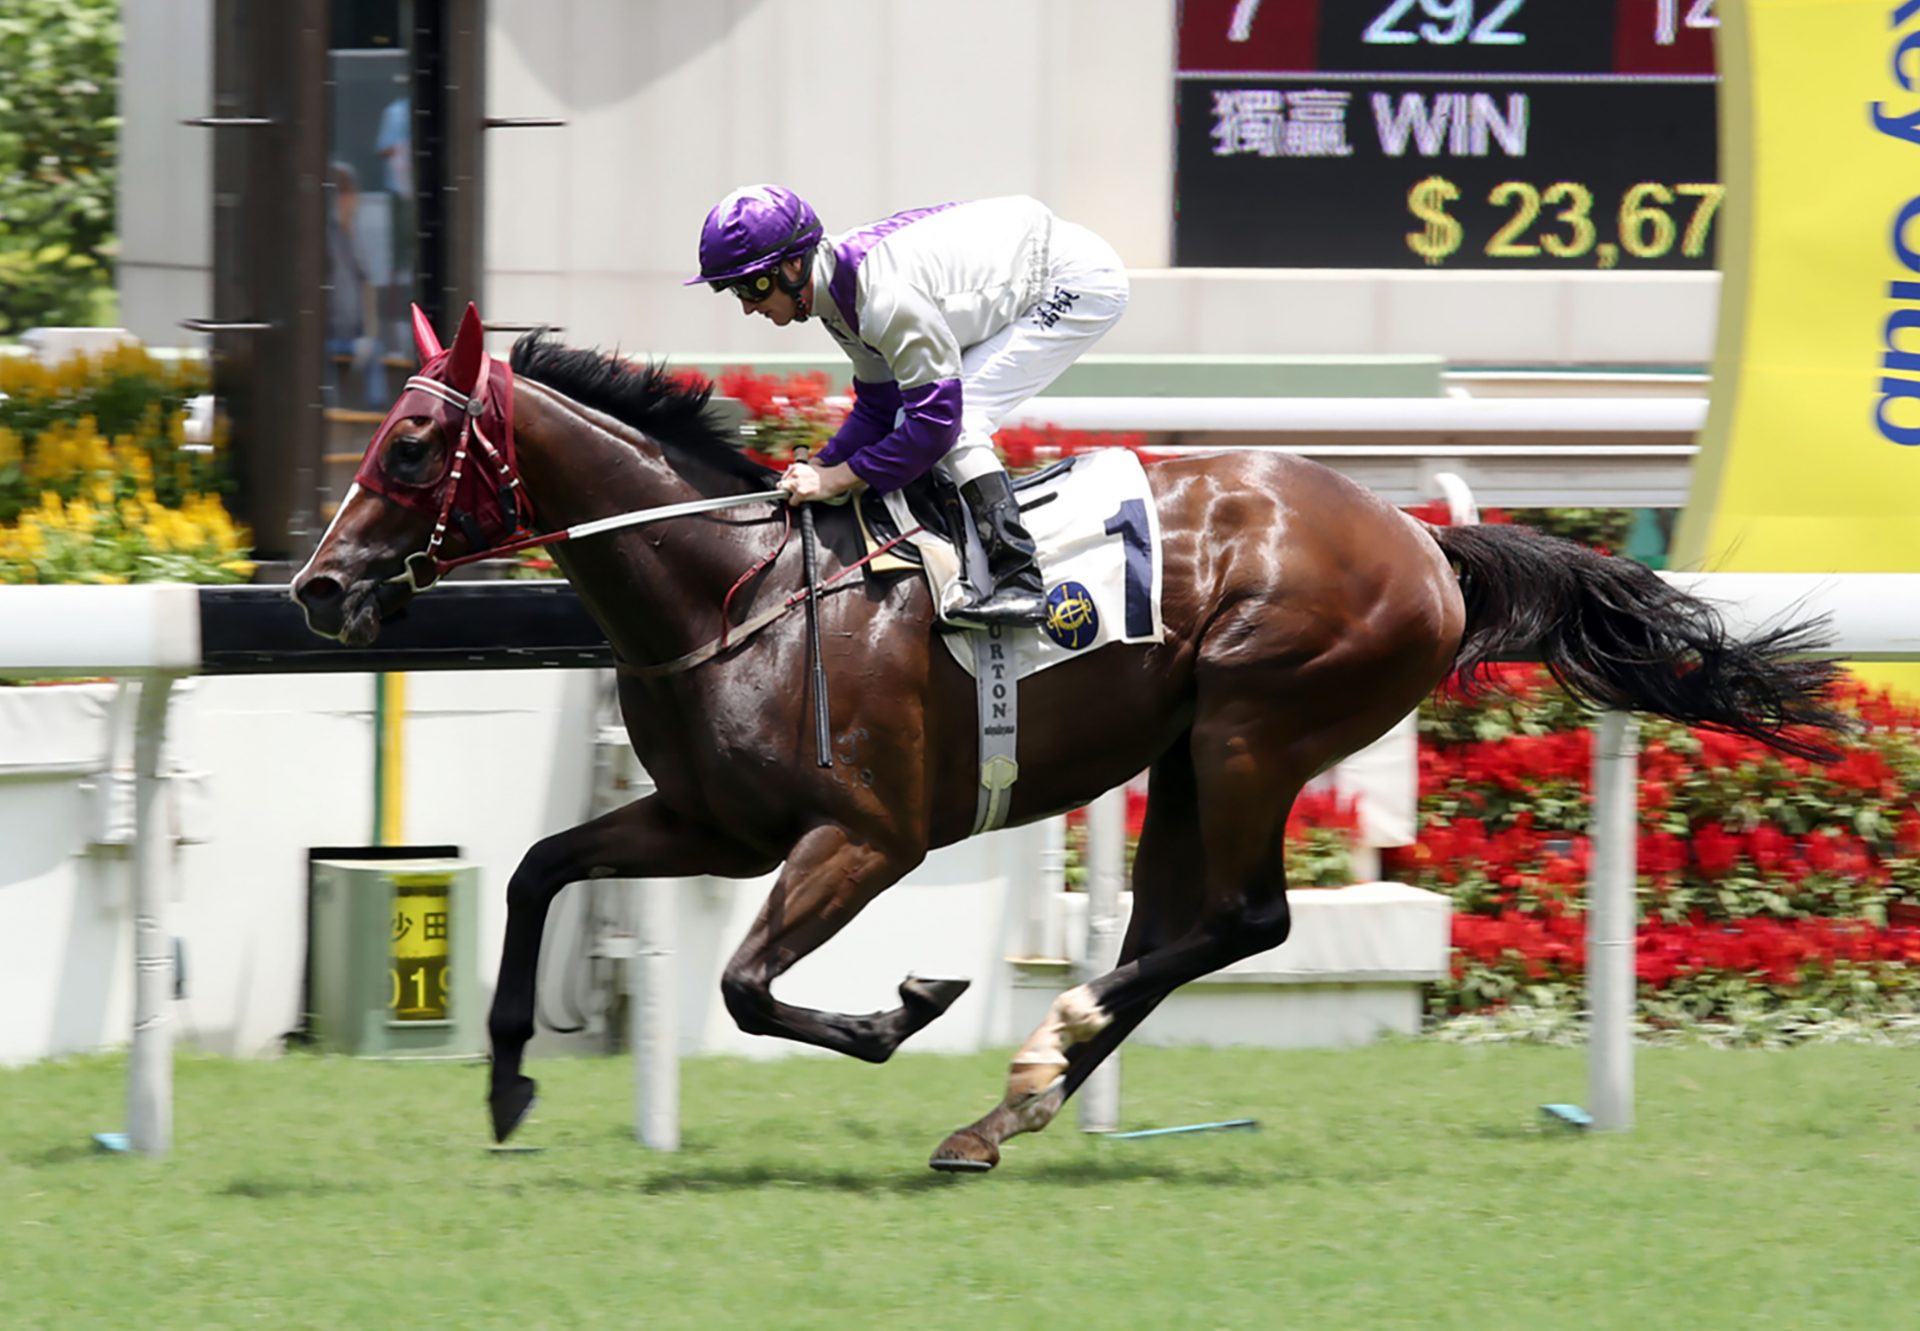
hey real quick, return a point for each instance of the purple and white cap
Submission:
(754, 228)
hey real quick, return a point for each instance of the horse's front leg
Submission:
(644, 839)
(828, 879)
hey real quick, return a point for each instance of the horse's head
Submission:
(439, 480)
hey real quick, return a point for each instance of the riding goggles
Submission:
(753, 288)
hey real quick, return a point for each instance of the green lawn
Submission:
(1408, 1185)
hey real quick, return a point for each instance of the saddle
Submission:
(933, 504)
(1096, 532)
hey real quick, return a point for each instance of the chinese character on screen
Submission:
(1264, 122)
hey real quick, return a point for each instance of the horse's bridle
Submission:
(487, 510)
(507, 489)
(421, 569)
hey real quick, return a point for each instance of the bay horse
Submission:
(1303, 616)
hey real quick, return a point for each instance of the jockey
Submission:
(952, 316)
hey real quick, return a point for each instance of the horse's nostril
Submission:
(315, 592)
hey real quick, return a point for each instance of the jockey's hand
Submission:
(804, 482)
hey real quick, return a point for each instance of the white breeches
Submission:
(1087, 294)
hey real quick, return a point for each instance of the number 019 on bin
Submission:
(417, 973)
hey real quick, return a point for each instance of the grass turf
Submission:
(1405, 1185)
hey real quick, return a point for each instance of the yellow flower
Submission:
(95, 454)
(23, 378)
(91, 507)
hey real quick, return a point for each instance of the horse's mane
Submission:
(645, 396)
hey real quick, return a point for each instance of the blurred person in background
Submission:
(952, 316)
(353, 319)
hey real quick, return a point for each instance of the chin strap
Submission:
(802, 306)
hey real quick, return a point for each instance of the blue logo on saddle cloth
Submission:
(1072, 620)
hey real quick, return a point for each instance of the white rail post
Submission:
(150, 1069)
(1106, 872)
(653, 1016)
(653, 1020)
(1611, 921)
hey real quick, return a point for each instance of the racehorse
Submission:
(1303, 617)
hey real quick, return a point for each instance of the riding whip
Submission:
(823, 740)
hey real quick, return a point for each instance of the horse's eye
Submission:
(409, 452)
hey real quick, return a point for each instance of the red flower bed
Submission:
(1762, 879)
(1024, 447)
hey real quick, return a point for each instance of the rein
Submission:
(732, 635)
(637, 518)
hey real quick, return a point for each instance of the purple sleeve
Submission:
(874, 407)
(933, 423)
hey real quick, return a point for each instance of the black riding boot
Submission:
(1016, 594)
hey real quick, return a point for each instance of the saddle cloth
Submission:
(1097, 533)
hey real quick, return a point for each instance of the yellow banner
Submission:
(1810, 460)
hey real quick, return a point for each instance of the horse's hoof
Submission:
(510, 1102)
(965, 1152)
(927, 999)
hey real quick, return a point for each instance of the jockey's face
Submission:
(777, 305)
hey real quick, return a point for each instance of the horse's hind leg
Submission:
(1060, 1055)
(1250, 757)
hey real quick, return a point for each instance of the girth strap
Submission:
(996, 677)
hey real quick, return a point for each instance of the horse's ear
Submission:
(425, 340)
(463, 366)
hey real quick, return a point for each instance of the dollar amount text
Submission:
(1557, 221)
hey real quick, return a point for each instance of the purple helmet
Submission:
(753, 229)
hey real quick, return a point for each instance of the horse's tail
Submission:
(1614, 634)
